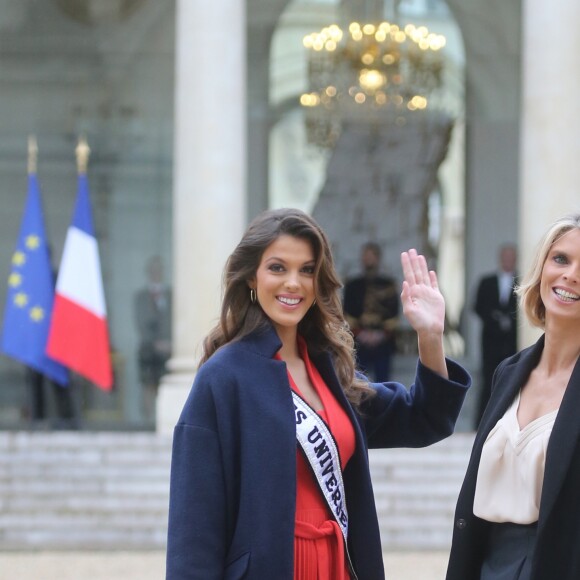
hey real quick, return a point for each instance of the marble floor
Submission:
(151, 565)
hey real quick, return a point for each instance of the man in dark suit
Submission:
(496, 305)
(153, 316)
(371, 307)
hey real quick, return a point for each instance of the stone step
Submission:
(78, 503)
(81, 490)
(416, 491)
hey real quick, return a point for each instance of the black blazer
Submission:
(487, 303)
(557, 554)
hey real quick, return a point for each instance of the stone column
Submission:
(491, 35)
(209, 198)
(549, 146)
(259, 40)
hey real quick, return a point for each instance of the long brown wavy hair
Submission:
(323, 327)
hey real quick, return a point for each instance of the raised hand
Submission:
(423, 303)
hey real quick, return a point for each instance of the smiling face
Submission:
(560, 282)
(284, 283)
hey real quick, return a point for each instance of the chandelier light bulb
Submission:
(381, 98)
(367, 58)
(371, 80)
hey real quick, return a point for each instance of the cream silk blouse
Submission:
(511, 469)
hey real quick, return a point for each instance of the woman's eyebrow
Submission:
(278, 259)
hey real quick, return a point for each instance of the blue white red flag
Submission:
(79, 336)
(27, 314)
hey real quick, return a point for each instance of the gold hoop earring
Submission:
(253, 296)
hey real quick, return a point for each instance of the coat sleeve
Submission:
(420, 416)
(196, 541)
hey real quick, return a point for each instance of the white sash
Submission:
(321, 451)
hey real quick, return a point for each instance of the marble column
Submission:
(549, 146)
(259, 119)
(209, 198)
(491, 34)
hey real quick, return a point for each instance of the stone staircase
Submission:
(416, 491)
(92, 491)
(82, 490)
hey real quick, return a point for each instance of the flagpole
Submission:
(82, 152)
(32, 154)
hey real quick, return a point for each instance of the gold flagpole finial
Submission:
(32, 154)
(82, 152)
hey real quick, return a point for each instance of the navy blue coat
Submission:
(557, 553)
(233, 472)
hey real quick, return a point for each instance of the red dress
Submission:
(318, 545)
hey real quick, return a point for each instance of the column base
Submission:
(171, 397)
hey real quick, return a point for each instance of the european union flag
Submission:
(31, 294)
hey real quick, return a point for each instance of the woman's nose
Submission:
(572, 274)
(291, 281)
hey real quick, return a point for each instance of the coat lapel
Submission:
(509, 381)
(325, 367)
(562, 444)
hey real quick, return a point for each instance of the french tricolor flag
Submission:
(79, 337)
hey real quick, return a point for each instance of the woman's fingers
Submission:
(415, 269)
(407, 267)
(421, 271)
(433, 278)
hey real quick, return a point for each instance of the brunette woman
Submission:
(270, 474)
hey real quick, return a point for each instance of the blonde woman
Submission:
(518, 513)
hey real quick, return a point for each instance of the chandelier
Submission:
(372, 73)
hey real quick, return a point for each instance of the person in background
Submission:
(269, 473)
(371, 307)
(64, 407)
(153, 318)
(496, 305)
(517, 515)
(42, 390)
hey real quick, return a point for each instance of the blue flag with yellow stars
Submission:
(31, 294)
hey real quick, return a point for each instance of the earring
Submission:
(313, 304)
(253, 297)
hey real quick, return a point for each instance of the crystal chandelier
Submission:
(372, 73)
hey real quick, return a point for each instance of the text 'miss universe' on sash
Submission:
(322, 454)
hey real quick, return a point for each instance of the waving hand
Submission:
(424, 308)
